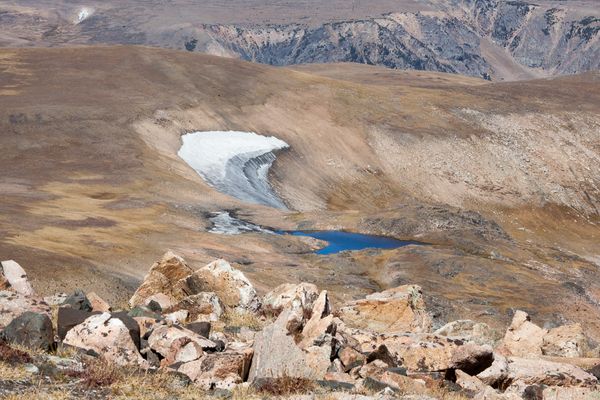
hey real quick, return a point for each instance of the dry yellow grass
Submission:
(12, 372)
(240, 318)
(39, 394)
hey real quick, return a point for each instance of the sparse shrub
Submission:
(269, 311)
(415, 299)
(97, 373)
(242, 318)
(12, 355)
(285, 386)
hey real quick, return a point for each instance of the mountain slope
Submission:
(492, 39)
(500, 179)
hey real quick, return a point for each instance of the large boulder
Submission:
(230, 285)
(16, 277)
(523, 338)
(400, 309)
(276, 354)
(283, 295)
(202, 307)
(564, 341)
(320, 324)
(30, 329)
(13, 304)
(506, 371)
(167, 340)
(423, 353)
(218, 370)
(161, 278)
(107, 336)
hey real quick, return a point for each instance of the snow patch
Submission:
(225, 224)
(84, 14)
(235, 163)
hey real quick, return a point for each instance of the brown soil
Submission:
(93, 191)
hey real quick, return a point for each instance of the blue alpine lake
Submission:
(341, 241)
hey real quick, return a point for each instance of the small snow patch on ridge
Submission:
(83, 14)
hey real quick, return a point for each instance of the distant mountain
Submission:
(492, 39)
(484, 38)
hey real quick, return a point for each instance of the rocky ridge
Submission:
(492, 39)
(209, 330)
(483, 38)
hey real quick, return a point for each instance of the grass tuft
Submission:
(242, 318)
(97, 373)
(286, 386)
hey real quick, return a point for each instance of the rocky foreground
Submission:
(193, 333)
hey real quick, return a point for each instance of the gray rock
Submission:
(200, 328)
(30, 329)
(276, 355)
(78, 301)
(68, 318)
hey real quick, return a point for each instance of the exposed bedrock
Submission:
(495, 39)
(483, 38)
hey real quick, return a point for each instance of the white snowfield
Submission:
(234, 162)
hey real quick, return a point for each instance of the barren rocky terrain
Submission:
(196, 333)
(156, 155)
(499, 179)
(492, 39)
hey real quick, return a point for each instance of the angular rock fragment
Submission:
(31, 330)
(16, 277)
(161, 278)
(523, 338)
(400, 309)
(230, 285)
(281, 297)
(98, 303)
(13, 304)
(107, 336)
(564, 341)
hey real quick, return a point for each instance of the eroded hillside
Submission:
(492, 39)
(501, 180)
